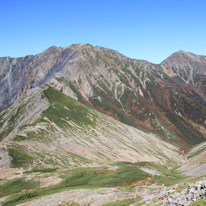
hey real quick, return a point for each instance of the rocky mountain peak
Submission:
(187, 66)
(51, 49)
(179, 57)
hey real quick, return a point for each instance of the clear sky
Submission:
(140, 29)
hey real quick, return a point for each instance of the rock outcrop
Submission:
(192, 193)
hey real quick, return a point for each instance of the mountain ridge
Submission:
(135, 92)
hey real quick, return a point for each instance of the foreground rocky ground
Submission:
(192, 193)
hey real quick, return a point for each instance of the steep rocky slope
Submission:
(135, 92)
(45, 128)
(189, 68)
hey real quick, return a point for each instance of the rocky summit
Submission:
(86, 125)
(188, 68)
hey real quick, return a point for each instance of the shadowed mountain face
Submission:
(157, 98)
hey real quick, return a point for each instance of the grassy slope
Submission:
(69, 133)
(126, 177)
(59, 103)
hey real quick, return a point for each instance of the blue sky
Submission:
(140, 29)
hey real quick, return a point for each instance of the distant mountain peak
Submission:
(188, 68)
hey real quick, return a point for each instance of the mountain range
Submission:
(166, 99)
(89, 106)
